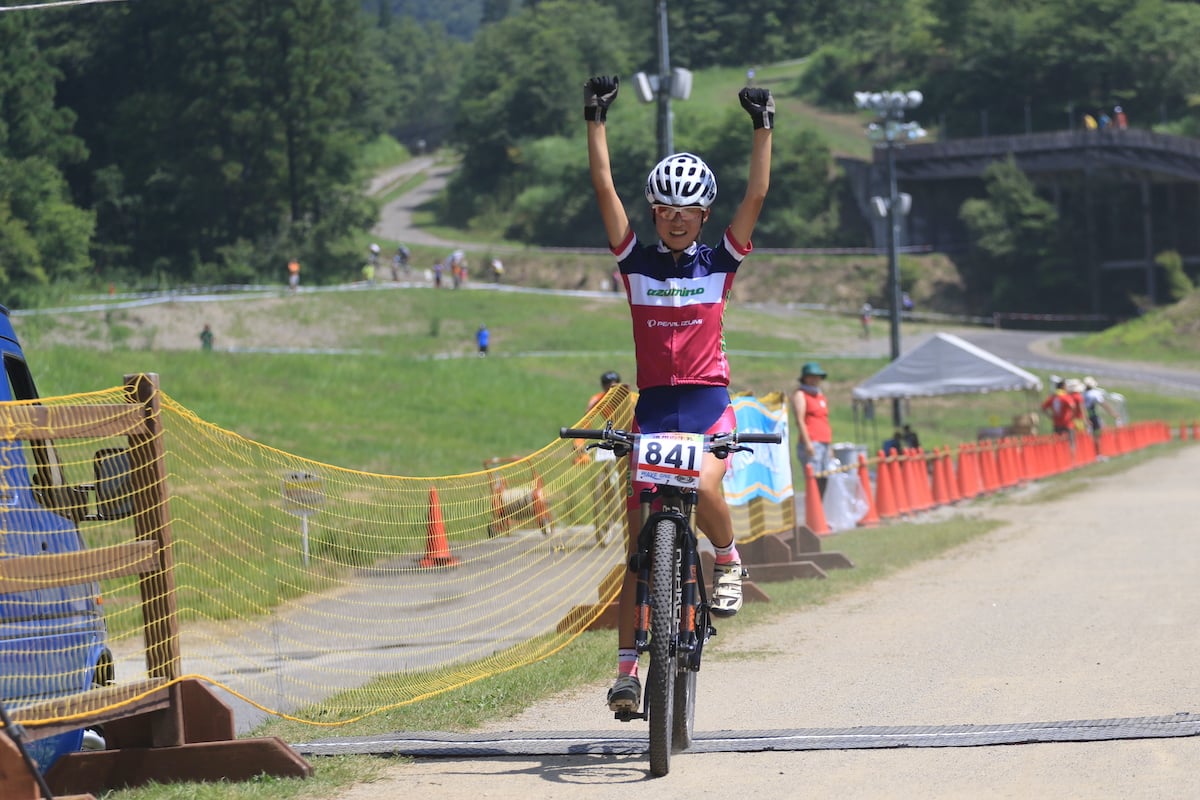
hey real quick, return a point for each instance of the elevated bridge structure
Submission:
(1131, 194)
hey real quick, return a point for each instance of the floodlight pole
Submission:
(893, 236)
(666, 144)
(889, 106)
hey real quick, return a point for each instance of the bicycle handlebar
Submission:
(610, 436)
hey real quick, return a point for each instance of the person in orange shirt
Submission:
(607, 381)
(815, 441)
(1062, 407)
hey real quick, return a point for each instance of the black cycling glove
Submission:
(759, 105)
(598, 94)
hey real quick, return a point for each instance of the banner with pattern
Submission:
(765, 471)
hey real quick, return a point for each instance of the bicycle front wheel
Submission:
(664, 622)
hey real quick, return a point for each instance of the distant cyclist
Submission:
(400, 262)
(677, 290)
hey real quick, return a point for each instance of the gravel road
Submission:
(1080, 608)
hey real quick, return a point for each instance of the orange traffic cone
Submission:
(991, 481)
(437, 550)
(898, 462)
(941, 495)
(871, 518)
(500, 521)
(814, 510)
(968, 484)
(541, 510)
(885, 499)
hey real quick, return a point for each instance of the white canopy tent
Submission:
(945, 364)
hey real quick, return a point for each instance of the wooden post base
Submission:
(238, 760)
(210, 752)
(806, 546)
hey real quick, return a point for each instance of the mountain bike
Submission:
(673, 619)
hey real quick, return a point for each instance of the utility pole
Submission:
(890, 107)
(666, 139)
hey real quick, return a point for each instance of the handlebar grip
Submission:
(759, 438)
(580, 433)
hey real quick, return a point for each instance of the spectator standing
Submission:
(206, 338)
(1094, 399)
(864, 314)
(458, 267)
(1076, 388)
(607, 381)
(606, 491)
(293, 275)
(809, 404)
(1120, 120)
(483, 338)
(1062, 407)
(437, 275)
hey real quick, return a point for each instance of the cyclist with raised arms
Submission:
(677, 290)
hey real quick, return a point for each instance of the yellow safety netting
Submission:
(297, 588)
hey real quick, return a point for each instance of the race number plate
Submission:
(670, 458)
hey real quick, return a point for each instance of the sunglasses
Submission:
(686, 213)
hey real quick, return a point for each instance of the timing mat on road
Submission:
(565, 743)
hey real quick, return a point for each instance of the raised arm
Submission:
(598, 94)
(761, 107)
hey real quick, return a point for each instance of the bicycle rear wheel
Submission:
(664, 622)
(685, 709)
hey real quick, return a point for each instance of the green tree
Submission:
(1179, 285)
(523, 82)
(229, 127)
(44, 237)
(424, 66)
(1015, 259)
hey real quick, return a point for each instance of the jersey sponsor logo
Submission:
(673, 323)
(673, 292)
(647, 291)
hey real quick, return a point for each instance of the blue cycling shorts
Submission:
(686, 409)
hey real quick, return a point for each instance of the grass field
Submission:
(411, 398)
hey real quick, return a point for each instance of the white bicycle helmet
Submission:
(682, 179)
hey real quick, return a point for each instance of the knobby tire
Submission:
(685, 698)
(664, 623)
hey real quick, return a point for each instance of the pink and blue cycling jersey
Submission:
(678, 310)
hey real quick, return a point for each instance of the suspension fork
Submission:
(680, 508)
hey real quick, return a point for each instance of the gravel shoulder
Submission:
(1079, 608)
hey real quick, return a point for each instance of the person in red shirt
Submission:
(1062, 407)
(814, 442)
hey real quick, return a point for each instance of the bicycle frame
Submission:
(672, 619)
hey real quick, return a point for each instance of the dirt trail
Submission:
(1081, 608)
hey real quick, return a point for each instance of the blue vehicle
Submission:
(53, 641)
